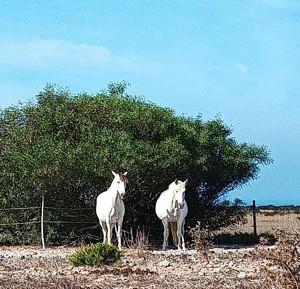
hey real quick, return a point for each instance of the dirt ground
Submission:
(32, 267)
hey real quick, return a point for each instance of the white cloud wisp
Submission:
(43, 53)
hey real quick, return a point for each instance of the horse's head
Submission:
(119, 183)
(178, 187)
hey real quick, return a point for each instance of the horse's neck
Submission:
(172, 199)
(114, 194)
(113, 188)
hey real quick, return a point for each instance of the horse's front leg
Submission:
(119, 234)
(166, 233)
(109, 231)
(180, 235)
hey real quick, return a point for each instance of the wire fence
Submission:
(69, 214)
(45, 221)
(61, 222)
(255, 223)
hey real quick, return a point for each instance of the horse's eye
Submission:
(118, 182)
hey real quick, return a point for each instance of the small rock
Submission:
(241, 275)
(164, 263)
(126, 261)
(216, 269)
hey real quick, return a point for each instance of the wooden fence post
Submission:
(42, 223)
(254, 217)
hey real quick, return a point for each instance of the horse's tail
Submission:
(174, 233)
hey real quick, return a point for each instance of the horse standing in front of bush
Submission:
(172, 208)
(110, 208)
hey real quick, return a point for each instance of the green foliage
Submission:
(64, 146)
(96, 255)
(220, 213)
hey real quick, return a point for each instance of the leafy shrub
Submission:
(63, 146)
(98, 254)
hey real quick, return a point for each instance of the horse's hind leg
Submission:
(104, 231)
(174, 233)
(166, 233)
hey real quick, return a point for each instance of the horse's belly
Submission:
(102, 216)
(107, 211)
(172, 214)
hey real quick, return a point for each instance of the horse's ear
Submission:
(123, 178)
(114, 173)
(186, 181)
(176, 181)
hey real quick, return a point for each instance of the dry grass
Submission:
(268, 220)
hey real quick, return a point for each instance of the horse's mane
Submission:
(124, 178)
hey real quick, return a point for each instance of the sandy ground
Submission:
(32, 267)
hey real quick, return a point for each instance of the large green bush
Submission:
(64, 146)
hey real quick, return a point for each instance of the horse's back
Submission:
(163, 205)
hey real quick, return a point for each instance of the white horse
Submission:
(110, 208)
(172, 208)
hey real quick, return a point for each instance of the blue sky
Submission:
(239, 59)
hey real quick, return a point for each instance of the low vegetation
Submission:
(286, 256)
(96, 255)
(242, 239)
